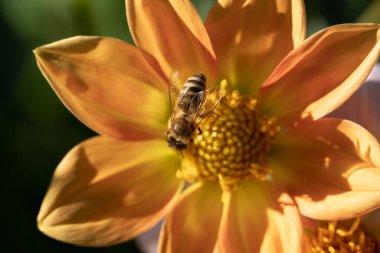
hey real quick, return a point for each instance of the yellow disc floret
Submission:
(232, 142)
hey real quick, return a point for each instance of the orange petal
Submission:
(364, 106)
(106, 191)
(111, 86)
(322, 73)
(192, 226)
(173, 32)
(251, 37)
(259, 218)
(331, 166)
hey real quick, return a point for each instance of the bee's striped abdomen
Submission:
(197, 80)
(191, 93)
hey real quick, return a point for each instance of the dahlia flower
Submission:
(358, 235)
(264, 156)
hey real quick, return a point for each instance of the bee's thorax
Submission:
(182, 127)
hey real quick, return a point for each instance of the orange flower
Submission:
(359, 235)
(265, 151)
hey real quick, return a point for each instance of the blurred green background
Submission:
(37, 130)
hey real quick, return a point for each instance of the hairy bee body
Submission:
(186, 111)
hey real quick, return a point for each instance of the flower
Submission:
(367, 97)
(265, 150)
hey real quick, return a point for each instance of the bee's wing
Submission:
(210, 99)
(196, 102)
(173, 90)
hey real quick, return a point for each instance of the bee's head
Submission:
(175, 144)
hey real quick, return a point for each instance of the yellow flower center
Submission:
(340, 237)
(231, 143)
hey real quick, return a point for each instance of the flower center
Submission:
(232, 142)
(340, 237)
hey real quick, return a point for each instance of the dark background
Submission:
(37, 130)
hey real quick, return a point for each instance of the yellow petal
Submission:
(173, 32)
(331, 166)
(106, 191)
(192, 225)
(251, 37)
(322, 73)
(111, 86)
(259, 218)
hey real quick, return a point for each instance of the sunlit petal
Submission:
(111, 86)
(106, 191)
(173, 32)
(322, 73)
(331, 166)
(251, 37)
(259, 218)
(192, 225)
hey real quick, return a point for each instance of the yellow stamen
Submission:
(340, 237)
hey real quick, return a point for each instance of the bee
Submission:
(189, 105)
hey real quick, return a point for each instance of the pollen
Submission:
(232, 143)
(347, 236)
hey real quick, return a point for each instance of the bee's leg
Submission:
(199, 130)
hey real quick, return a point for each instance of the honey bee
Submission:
(189, 104)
